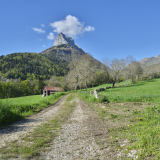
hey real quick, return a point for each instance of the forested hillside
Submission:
(61, 54)
(29, 66)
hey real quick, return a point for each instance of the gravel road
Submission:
(83, 136)
(76, 140)
(25, 126)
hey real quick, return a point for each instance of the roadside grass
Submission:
(109, 85)
(24, 100)
(40, 139)
(133, 129)
(132, 118)
(145, 133)
(142, 91)
(13, 109)
(91, 98)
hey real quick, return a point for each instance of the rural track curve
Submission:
(25, 126)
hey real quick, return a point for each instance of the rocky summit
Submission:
(150, 61)
(62, 39)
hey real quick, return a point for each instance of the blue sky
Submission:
(104, 28)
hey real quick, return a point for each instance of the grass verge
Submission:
(133, 128)
(145, 133)
(40, 139)
(142, 91)
(91, 98)
(10, 112)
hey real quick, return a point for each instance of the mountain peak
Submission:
(62, 39)
(150, 61)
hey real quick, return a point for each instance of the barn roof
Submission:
(53, 88)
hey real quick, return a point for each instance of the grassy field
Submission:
(36, 142)
(142, 91)
(132, 112)
(109, 85)
(24, 100)
(12, 109)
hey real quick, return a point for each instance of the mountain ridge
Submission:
(62, 39)
(150, 61)
(52, 61)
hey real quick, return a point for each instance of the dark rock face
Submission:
(62, 39)
(150, 61)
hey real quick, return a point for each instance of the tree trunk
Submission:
(76, 87)
(126, 82)
(136, 78)
(132, 80)
(85, 82)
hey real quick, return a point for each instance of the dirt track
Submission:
(83, 136)
(80, 136)
(25, 126)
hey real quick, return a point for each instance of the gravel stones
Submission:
(74, 141)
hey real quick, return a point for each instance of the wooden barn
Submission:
(51, 90)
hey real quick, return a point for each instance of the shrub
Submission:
(92, 99)
(6, 114)
(102, 98)
(10, 112)
(22, 108)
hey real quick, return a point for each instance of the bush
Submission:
(22, 108)
(91, 98)
(102, 98)
(6, 114)
(10, 112)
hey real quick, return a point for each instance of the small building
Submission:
(51, 90)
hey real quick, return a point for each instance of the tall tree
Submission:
(126, 69)
(135, 70)
(114, 68)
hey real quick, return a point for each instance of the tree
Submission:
(87, 67)
(74, 72)
(114, 67)
(152, 71)
(135, 70)
(81, 70)
(126, 69)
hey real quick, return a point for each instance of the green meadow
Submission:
(12, 109)
(24, 100)
(142, 91)
(108, 85)
(137, 118)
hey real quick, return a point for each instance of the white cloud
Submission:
(89, 28)
(43, 45)
(71, 26)
(50, 36)
(42, 25)
(38, 30)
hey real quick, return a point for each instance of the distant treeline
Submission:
(20, 88)
(29, 66)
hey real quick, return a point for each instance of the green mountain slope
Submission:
(52, 61)
(61, 54)
(29, 65)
